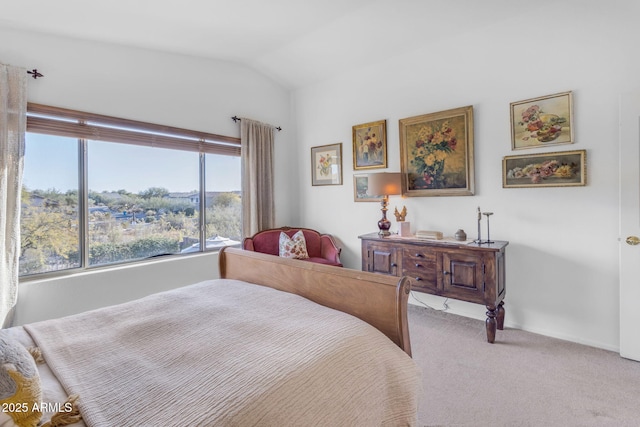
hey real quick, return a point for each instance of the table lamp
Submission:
(384, 184)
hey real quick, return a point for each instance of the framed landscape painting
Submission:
(360, 190)
(326, 165)
(558, 169)
(543, 121)
(370, 145)
(437, 153)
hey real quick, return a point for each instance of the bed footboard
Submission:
(376, 299)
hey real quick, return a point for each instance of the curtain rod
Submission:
(35, 74)
(236, 118)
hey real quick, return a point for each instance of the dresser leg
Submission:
(500, 315)
(491, 324)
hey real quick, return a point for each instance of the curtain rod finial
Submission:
(236, 119)
(35, 74)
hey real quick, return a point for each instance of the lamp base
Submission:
(384, 225)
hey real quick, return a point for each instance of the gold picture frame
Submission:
(370, 145)
(437, 153)
(543, 121)
(556, 169)
(360, 187)
(326, 164)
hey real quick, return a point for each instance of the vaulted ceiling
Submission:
(295, 42)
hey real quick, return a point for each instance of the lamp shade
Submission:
(384, 184)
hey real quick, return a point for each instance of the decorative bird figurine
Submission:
(400, 216)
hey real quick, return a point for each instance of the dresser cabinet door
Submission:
(380, 258)
(463, 276)
(420, 264)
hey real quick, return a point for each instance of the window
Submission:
(50, 218)
(99, 190)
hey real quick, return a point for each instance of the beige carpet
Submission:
(523, 379)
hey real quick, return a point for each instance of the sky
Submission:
(52, 162)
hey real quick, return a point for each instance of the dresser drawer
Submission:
(416, 255)
(423, 275)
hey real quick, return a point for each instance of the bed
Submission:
(272, 342)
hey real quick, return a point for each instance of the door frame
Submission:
(629, 205)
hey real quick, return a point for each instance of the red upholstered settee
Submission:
(320, 247)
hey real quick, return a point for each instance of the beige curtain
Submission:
(258, 211)
(13, 106)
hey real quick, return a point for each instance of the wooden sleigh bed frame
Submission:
(195, 348)
(378, 300)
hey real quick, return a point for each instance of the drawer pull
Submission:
(418, 279)
(393, 264)
(419, 255)
(445, 272)
(418, 265)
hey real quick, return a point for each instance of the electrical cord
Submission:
(445, 306)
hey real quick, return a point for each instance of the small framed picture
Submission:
(542, 121)
(370, 145)
(360, 190)
(326, 164)
(558, 169)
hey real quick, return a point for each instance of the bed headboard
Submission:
(379, 300)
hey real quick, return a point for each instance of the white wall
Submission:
(144, 85)
(70, 294)
(562, 261)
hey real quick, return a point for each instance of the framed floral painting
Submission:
(558, 169)
(543, 121)
(360, 190)
(370, 145)
(326, 164)
(437, 153)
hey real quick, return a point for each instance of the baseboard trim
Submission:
(475, 311)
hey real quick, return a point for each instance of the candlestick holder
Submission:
(479, 239)
(488, 214)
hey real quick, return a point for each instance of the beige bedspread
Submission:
(226, 353)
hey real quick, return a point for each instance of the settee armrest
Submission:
(247, 244)
(329, 249)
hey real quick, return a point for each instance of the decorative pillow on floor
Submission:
(293, 247)
(20, 389)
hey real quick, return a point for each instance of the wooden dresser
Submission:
(465, 271)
